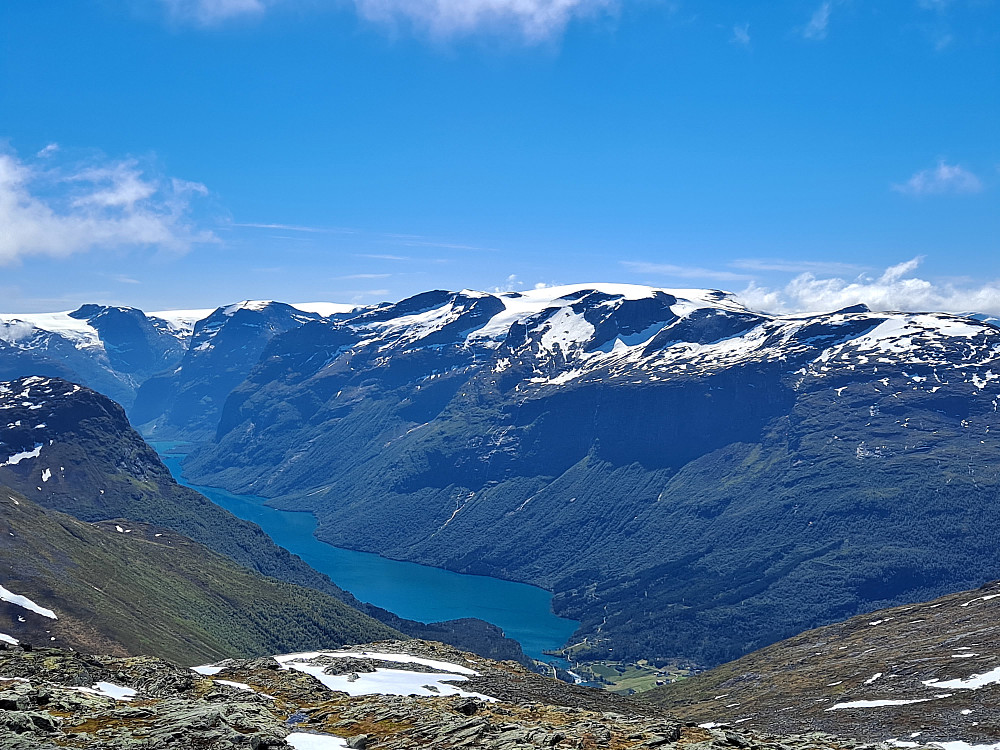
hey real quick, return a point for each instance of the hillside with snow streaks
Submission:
(925, 674)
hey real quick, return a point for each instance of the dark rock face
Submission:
(223, 349)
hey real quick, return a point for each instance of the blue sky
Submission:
(804, 153)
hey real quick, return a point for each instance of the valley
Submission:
(416, 592)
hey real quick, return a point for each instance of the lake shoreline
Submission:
(408, 589)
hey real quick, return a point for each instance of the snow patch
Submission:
(19, 457)
(385, 681)
(305, 741)
(877, 703)
(974, 682)
(26, 603)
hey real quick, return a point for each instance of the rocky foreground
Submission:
(52, 698)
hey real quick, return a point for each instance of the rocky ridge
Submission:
(57, 699)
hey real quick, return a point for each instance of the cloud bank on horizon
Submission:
(896, 288)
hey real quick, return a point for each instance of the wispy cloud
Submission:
(683, 272)
(295, 228)
(60, 209)
(511, 284)
(940, 180)
(446, 245)
(818, 23)
(382, 256)
(363, 276)
(795, 266)
(741, 35)
(896, 288)
(207, 12)
(534, 20)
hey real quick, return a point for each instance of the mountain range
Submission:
(689, 477)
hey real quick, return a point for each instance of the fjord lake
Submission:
(410, 590)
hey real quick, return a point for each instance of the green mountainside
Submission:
(125, 588)
(91, 464)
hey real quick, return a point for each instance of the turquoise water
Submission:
(417, 592)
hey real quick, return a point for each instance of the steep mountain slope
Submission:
(71, 449)
(111, 349)
(919, 673)
(223, 348)
(126, 588)
(691, 478)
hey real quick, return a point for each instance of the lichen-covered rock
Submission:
(51, 698)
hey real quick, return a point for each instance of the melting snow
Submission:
(23, 601)
(974, 682)
(8, 639)
(874, 704)
(208, 669)
(385, 681)
(243, 686)
(304, 741)
(19, 457)
(444, 666)
(108, 690)
(981, 599)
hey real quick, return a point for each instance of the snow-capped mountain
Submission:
(112, 348)
(690, 477)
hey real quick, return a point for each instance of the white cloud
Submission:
(511, 284)
(942, 179)
(535, 20)
(57, 211)
(816, 28)
(684, 272)
(895, 289)
(741, 35)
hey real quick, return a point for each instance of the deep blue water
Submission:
(417, 592)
